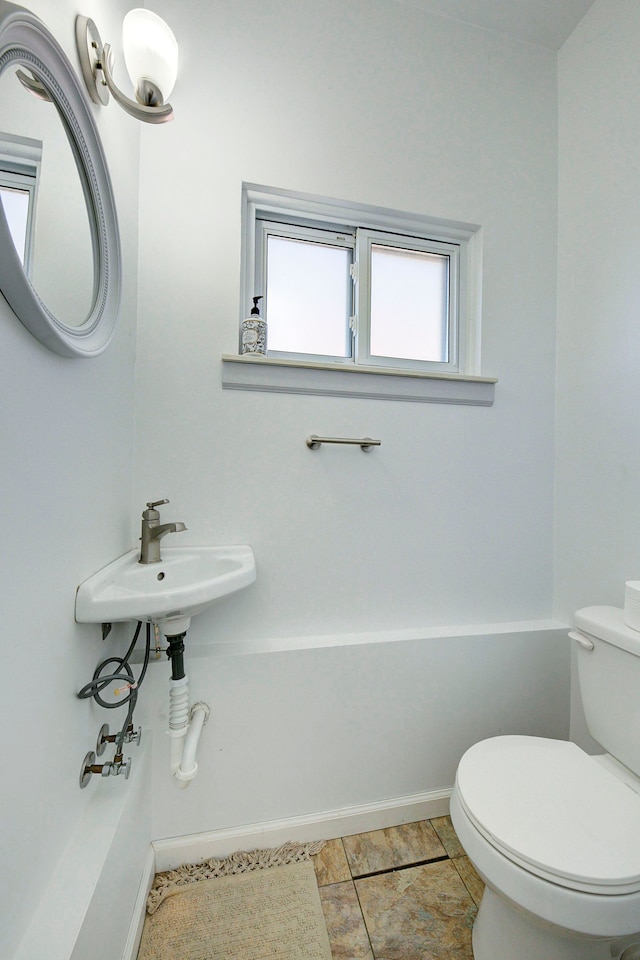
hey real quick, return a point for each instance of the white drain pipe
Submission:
(185, 727)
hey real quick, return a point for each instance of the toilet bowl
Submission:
(555, 835)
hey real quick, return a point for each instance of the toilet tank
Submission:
(609, 678)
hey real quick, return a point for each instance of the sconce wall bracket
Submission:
(91, 53)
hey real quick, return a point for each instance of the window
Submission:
(349, 285)
(360, 301)
(19, 170)
(308, 300)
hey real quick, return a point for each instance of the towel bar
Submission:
(366, 443)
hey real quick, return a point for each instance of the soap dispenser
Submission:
(253, 338)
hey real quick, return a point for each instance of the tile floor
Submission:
(403, 893)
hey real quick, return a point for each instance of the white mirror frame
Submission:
(25, 40)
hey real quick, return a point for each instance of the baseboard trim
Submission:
(174, 851)
(139, 908)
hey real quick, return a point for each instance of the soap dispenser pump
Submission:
(253, 338)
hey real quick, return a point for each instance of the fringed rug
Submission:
(243, 861)
(252, 908)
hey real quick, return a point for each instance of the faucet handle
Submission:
(156, 503)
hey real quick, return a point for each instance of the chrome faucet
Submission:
(153, 531)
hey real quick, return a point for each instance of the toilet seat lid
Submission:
(552, 808)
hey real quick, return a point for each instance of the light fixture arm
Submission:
(95, 61)
(34, 86)
(157, 112)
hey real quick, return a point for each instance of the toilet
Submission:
(555, 832)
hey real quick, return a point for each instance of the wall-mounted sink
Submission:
(169, 592)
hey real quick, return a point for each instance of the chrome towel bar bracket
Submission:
(365, 443)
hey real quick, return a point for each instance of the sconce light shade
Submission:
(151, 58)
(150, 52)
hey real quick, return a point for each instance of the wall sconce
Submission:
(151, 58)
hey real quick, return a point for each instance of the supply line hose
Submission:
(95, 687)
(185, 724)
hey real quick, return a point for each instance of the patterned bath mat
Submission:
(272, 914)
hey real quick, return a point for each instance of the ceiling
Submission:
(544, 22)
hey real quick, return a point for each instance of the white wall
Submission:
(598, 429)
(450, 521)
(308, 732)
(66, 483)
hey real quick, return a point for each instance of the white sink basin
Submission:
(168, 592)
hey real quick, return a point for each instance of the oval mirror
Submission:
(60, 265)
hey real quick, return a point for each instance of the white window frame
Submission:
(264, 228)
(366, 238)
(300, 214)
(20, 164)
(368, 378)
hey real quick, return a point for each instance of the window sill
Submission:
(297, 376)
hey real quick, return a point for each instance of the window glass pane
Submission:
(16, 210)
(308, 297)
(409, 304)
